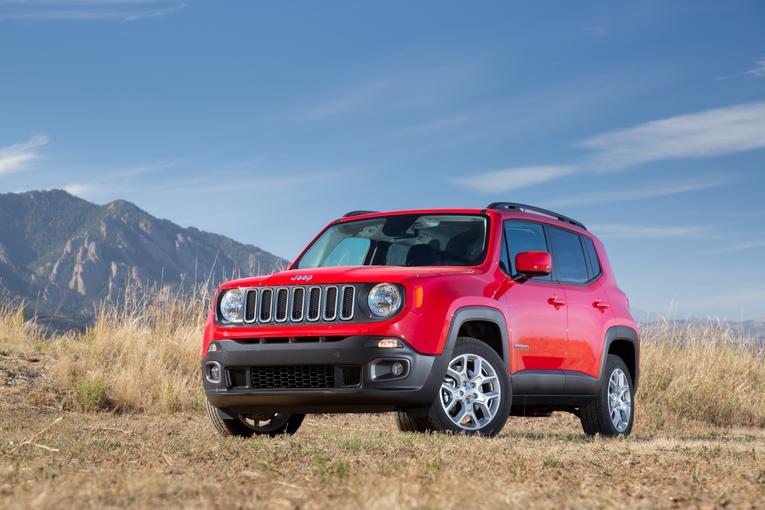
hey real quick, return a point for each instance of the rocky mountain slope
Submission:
(64, 255)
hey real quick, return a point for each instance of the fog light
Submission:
(212, 348)
(213, 372)
(397, 368)
(389, 343)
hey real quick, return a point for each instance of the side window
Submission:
(525, 236)
(397, 255)
(567, 256)
(592, 256)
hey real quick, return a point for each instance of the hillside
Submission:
(64, 255)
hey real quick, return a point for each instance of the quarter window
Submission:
(592, 256)
(567, 256)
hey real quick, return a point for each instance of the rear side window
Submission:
(523, 236)
(592, 256)
(567, 256)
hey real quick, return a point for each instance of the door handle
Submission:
(556, 301)
(600, 305)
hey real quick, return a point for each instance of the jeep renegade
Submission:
(453, 318)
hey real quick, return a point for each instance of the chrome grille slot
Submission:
(298, 302)
(348, 303)
(282, 302)
(330, 303)
(250, 303)
(266, 296)
(314, 304)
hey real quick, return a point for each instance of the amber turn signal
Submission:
(389, 343)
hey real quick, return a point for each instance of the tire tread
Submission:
(227, 428)
(407, 423)
(594, 416)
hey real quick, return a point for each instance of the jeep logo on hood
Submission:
(302, 278)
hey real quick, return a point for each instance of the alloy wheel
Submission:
(264, 423)
(619, 400)
(470, 394)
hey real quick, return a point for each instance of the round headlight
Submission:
(384, 300)
(231, 305)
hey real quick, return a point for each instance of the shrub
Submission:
(90, 394)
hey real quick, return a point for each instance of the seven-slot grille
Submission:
(328, 303)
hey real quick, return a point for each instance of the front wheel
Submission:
(612, 412)
(248, 425)
(474, 396)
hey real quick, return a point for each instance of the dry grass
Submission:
(699, 387)
(688, 375)
(347, 461)
(140, 357)
(699, 373)
(16, 333)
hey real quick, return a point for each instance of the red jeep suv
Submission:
(453, 318)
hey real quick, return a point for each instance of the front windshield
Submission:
(401, 240)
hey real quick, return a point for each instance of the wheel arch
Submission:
(472, 319)
(622, 341)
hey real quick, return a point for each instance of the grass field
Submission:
(82, 425)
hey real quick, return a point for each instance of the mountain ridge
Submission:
(67, 254)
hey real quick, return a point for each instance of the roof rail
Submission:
(358, 213)
(524, 207)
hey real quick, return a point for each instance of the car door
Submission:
(576, 267)
(535, 307)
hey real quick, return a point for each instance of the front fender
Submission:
(477, 313)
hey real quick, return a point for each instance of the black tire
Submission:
(437, 420)
(276, 424)
(408, 423)
(596, 417)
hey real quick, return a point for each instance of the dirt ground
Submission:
(105, 460)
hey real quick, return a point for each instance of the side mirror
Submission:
(533, 263)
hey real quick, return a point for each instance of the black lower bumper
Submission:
(349, 375)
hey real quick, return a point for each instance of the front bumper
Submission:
(359, 380)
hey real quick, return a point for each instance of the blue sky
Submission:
(264, 121)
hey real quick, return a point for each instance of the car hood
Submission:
(356, 274)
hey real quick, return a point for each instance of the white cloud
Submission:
(123, 10)
(15, 157)
(598, 30)
(745, 246)
(759, 68)
(148, 168)
(704, 134)
(710, 133)
(346, 103)
(435, 125)
(392, 89)
(714, 300)
(615, 196)
(81, 190)
(120, 179)
(620, 231)
(292, 183)
(513, 178)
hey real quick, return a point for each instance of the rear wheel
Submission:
(612, 412)
(474, 396)
(248, 425)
